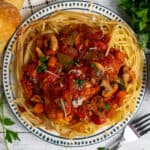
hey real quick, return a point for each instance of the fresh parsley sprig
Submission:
(8, 135)
(139, 12)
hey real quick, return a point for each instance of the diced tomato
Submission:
(97, 35)
(38, 108)
(21, 109)
(42, 75)
(101, 46)
(67, 95)
(120, 56)
(98, 119)
(120, 96)
(30, 70)
(112, 65)
(47, 102)
(28, 102)
(94, 34)
(52, 61)
(50, 52)
(27, 86)
(55, 92)
(80, 112)
(105, 39)
(47, 82)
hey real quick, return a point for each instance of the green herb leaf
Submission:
(1, 101)
(41, 68)
(76, 62)
(11, 135)
(93, 65)
(79, 82)
(43, 59)
(8, 135)
(107, 107)
(121, 84)
(122, 87)
(102, 148)
(8, 122)
(144, 38)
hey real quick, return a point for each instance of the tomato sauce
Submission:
(72, 76)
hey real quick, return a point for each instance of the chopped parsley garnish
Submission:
(98, 71)
(43, 66)
(43, 59)
(93, 65)
(122, 87)
(76, 62)
(121, 84)
(107, 107)
(79, 82)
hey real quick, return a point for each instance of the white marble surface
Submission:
(31, 142)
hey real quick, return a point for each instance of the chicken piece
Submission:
(88, 92)
(128, 75)
(100, 66)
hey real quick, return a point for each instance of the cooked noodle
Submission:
(121, 37)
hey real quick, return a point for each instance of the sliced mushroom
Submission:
(105, 83)
(109, 89)
(54, 42)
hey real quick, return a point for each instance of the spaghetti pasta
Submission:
(76, 90)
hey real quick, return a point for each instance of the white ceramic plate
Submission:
(141, 144)
(49, 136)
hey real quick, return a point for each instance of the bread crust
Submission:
(9, 20)
(17, 3)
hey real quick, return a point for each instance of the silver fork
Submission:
(133, 131)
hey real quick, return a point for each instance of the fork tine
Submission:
(143, 127)
(144, 131)
(140, 123)
(140, 119)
